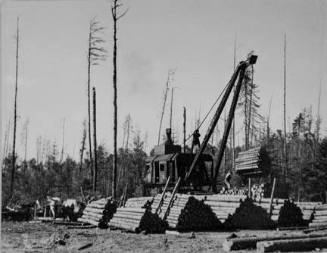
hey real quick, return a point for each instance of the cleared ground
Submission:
(43, 237)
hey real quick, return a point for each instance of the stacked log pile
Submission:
(160, 208)
(189, 213)
(156, 201)
(308, 209)
(249, 216)
(144, 202)
(223, 205)
(248, 161)
(136, 219)
(276, 206)
(320, 216)
(99, 212)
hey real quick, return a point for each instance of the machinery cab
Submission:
(169, 161)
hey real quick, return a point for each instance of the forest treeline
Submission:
(304, 177)
(68, 178)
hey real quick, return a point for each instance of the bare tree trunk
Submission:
(26, 137)
(6, 144)
(225, 153)
(115, 16)
(15, 117)
(63, 141)
(95, 143)
(89, 101)
(171, 108)
(114, 171)
(163, 108)
(184, 129)
(124, 136)
(128, 132)
(284, 143)
(83, 147)
(38, 149)
(246, 116)
(318, 120)
(233, 126)
(249, 111)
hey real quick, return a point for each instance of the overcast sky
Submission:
(195, 37)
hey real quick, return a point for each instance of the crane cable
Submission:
(221, 93)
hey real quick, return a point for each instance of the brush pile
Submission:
(249, 216)
(17, 214)
(136, 219)
(19, 211)
(290, 215)
(320, 216)
(99, 212)
(192, 215)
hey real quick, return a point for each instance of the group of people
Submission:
(69, 208)
(233, 191)
(257, 192)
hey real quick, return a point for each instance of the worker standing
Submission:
(196, 141)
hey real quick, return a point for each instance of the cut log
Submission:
(90, 221)
(131, 209)
(251, 242)
(292, 245)
(93, 215)
(82, 227)
(321, 213)
(136, 220)
(94, 210)
(99, 212)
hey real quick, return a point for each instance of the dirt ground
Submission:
(45, 237)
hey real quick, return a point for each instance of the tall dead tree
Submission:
(233, 126)
(245, 115)
(24, 137)
(250, 141)
(116, 15)
(268, 120)
(127, 130)
(164, 105)
(95, 142)
(82, 146)
(63, 141)
(184, 129)
(6, 144)
(171, 108)
(318, 120)
(15, 116)
(38, 149)
(96, 53)
(284, 143)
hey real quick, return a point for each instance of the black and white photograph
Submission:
(163, 125)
